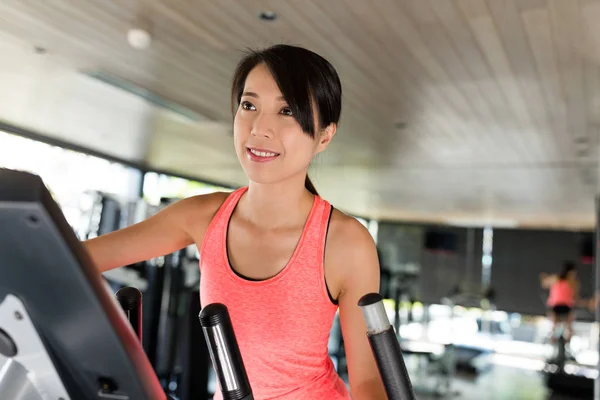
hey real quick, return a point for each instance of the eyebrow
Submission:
(256, 96)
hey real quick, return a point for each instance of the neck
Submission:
(277, 205)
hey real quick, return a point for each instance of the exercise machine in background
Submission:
(562, 373)
(473, 359)
(62, 332)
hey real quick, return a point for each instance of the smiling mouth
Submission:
(262, 153)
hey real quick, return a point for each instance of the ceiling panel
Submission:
(454, 110)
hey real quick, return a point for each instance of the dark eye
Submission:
(246, 105)
(286, 111)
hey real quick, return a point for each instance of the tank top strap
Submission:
(230, 203)
(315, 233)
(310, 261)
(216, 231)
(322, 227)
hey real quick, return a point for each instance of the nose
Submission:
(262, 127)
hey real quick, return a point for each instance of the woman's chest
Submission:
(260, 255)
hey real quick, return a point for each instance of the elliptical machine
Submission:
(562, 373)
(63, 335)
(559, 357)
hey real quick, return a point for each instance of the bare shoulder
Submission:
(196, 212)
(351, 253)
(204, 203)
(346, 232)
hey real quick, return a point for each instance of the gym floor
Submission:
(500, 383)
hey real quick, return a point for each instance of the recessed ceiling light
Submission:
(139, 38)
(267, 16)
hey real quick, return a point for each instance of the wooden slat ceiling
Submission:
(454, 110)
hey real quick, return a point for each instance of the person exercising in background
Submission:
(564, 296)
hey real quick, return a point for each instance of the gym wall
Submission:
(519, 256)
(399, 245)
(444, 271)
(402, 248)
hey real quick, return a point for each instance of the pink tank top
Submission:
(561, 293)
(282, 324)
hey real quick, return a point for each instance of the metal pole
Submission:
(596, 291)
(141, 183)
(470, 255)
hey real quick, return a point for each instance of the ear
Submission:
(325, 137)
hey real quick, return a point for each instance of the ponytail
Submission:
(309, 185)
(568, 266)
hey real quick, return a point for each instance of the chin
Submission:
(266, 176)
(262, 178)
(268, 173)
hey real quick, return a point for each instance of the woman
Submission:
(281, 258)
(564, 295)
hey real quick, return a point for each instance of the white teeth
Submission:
(262, 153)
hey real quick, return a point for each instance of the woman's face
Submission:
(269, 142)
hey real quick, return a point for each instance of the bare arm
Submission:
(353, 250)
(547, 280)
(173, 228)
(579, 301)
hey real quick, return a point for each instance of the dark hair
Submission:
(568, 266)
(304, 78)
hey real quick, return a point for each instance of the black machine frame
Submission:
(85, 334)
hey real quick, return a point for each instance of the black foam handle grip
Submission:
(225, 352)
(386, 348)
(130, 300)
(390, 363)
